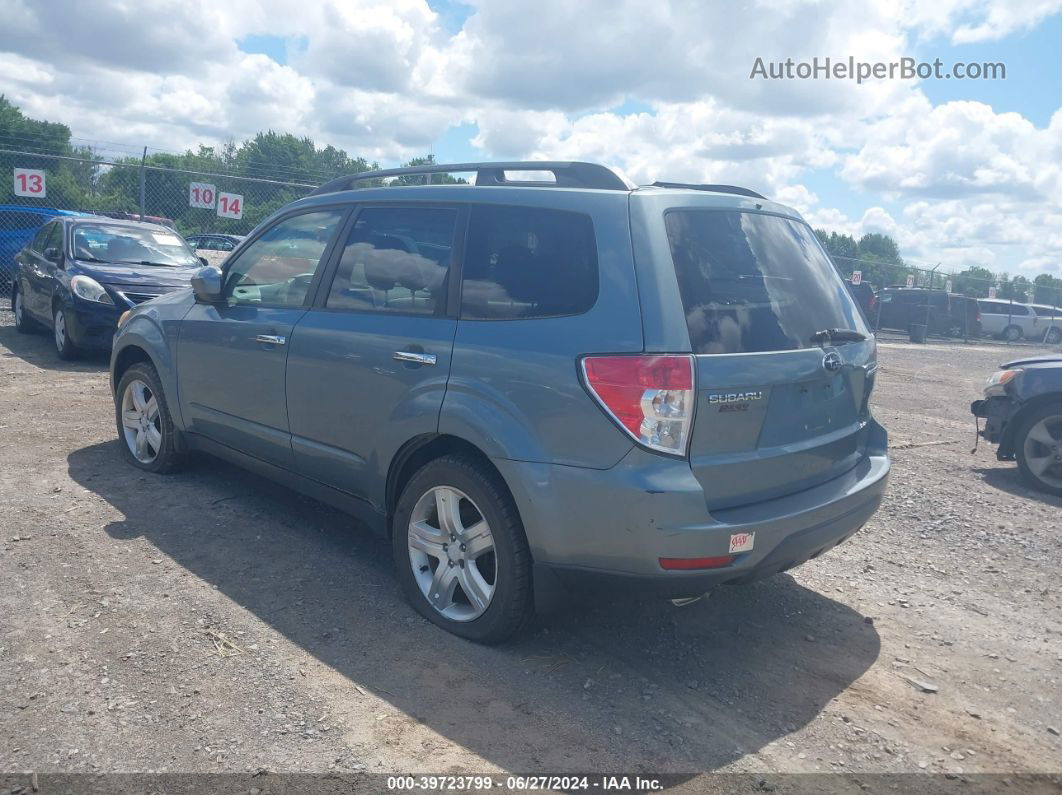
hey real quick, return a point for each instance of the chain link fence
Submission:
(196, 201)
(39, 186)
(972, 304)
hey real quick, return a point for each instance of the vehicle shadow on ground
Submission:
(38, 349)
(1006, 477)
(617, 685)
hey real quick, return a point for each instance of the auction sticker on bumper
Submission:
(742, 542)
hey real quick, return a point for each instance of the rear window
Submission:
(1048, 311)
(524, 262)
(752, 282)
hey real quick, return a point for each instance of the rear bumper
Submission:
(613, 526)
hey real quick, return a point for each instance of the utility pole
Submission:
(143, 163)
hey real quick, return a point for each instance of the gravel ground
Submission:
(210, 621)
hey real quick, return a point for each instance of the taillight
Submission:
(651, 396)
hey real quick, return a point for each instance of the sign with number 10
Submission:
(202, 194)
(29, 182)
(230, 205)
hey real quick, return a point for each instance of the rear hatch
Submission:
(779, 409)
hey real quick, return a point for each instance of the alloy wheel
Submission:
(141, 422)
(60, 329)
(1043, 450)
(451, 552)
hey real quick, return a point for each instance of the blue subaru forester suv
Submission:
(549, 376)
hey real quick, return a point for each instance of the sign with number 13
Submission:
(29, 182)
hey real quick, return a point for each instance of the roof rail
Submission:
(714, 188)
(568, 174)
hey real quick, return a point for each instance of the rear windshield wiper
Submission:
(837, 335)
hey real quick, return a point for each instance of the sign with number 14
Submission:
(230, 205)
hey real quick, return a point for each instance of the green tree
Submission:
(435, 179)
(1047, 289)
(973, 281)
(68, 183)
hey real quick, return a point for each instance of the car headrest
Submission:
(379, 272)
(412, 271)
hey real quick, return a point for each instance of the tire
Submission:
(1038, 448)
(439, 557)
(24, 324)
(64, 346)
(1054, 336)
(1012, 333)
(139, 386)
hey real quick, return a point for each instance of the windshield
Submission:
(131, 245)
(752, 282)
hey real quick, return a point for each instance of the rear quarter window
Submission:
(528, 262)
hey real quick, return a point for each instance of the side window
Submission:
(221, 244)
(54, 238)
(192, 241)
(278, 267)
(396, 259)
(39, 239)
(886, 298)
(526, 262)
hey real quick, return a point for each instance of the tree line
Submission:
(286, 167)
(269, 170)
(878, 257)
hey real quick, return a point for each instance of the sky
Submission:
(960, 172)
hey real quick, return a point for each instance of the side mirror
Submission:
(53, 254)
(206, 284)
(203, 260)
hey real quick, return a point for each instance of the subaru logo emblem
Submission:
(831, 362)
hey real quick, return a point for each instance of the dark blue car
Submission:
(1022, 407)
(78, 274)
(18, 225)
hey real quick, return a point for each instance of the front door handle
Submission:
(270, 339)
(417, 358)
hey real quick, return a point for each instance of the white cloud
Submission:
(384, 79)
(954, 150)
(969, 21)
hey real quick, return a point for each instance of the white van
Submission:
(1049, 329)
(1008, 321)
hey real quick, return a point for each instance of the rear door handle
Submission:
(417, 358)
(270, 339)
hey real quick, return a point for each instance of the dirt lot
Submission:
(210, 621)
